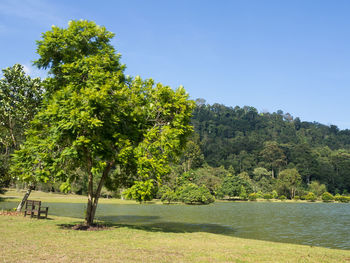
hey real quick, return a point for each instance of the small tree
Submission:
(243, 193)
(193, 194)
(141, 191)
(274, 194)
(311, 197)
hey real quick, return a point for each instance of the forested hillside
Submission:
(242, 139)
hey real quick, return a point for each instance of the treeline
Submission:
(241, 140)
(241, 153)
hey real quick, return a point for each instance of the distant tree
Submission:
(317, 188)
(288, 181)
(193, 194)
(20, 99)
(231, 186)
(243, 193)
(192, 156)
(273, 156)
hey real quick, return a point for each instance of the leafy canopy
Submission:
(96, 119)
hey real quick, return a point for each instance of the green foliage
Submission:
(193, 194)
(97, 120)
(246, 140)
(20, 98)
(288, 182)
(297, 197)
(243, 193)
(232, 186)
(282, 197)
(274, 194)
(342, 198)
(327, 197)
(141, 191)
(267, 196)
(169, 196)
(317, 188)
(311, 197)
(252, 197)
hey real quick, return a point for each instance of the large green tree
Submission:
(97, 120)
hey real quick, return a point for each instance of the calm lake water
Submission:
(314, 224)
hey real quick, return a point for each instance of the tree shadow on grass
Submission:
(145, 223)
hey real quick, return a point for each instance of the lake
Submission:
(314, 224)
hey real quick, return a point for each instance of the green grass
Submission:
(31, 240)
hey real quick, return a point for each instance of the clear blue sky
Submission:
(289, 55)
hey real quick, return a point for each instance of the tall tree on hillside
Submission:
(288, 182)
(305, 160)
(273, 156)
(95, 119)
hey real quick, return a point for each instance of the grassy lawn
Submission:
(31, 240)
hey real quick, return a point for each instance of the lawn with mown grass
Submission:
(31, 240)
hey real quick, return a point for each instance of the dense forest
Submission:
(242, 140)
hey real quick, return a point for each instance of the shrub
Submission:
(342, 198)
(193, 194)
(311, 197)
(169, 196)
(267, 196)
(252, 197)
(140, 191)
(296, 197)
(259, 194)
(274, 194)
(282, 198)
(327, 197)
(303, 197)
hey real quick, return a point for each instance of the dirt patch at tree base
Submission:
(83, 227)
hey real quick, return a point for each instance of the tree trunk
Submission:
(25, 198)
(89, 219)
(93, 198)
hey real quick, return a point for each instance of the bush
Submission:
(140, 191)
(259, 194)
(267, 196)
(282, 198)
(274, 194)
(193, 194)
(169, 196)
(296, 197)
(311, 197)
(327, 197)
(342, 198)
(252, 197)
(303, 197)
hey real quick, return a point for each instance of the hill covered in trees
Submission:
(241, 140)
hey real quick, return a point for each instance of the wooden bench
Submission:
(34, 209)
